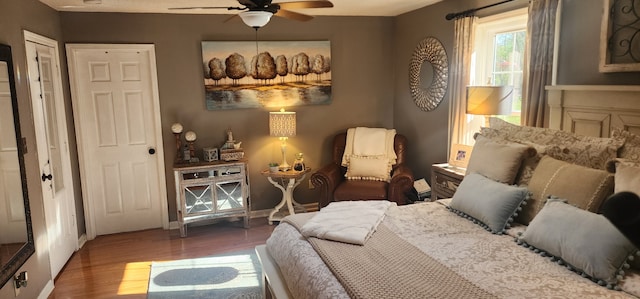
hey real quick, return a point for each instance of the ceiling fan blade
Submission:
(287, 14)
(305, 4)
(207, 7)
(249, 3)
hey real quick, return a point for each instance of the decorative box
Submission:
(210, 154)
(231, 154)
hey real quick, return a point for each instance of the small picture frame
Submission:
(459, 155)
(210, 154)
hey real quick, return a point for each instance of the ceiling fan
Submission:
(257, 13)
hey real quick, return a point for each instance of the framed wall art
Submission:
(620, 36)
(250, 74)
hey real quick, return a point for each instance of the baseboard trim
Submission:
(47, 290)
(310, 207)
(81, 241)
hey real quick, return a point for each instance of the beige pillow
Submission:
(499, 161)
(369, 168)
(583, 187)
(627, 178)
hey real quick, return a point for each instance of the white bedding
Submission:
(492, 262)
(347, 221)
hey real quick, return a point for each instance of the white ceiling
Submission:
(341, 7)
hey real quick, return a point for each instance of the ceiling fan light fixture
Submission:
(255, 19)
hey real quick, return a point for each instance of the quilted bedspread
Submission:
(494, 263)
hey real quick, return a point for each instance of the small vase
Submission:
(273, 169)
(298, 164)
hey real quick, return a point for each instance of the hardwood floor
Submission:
(117, 266)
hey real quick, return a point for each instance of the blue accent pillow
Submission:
(491, 204)
(584, 242)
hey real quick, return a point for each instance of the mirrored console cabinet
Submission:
(211, 190)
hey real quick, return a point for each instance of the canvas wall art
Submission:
(278, 74)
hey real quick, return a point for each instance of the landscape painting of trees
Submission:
(266, 74)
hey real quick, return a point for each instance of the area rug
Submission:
(234, 275)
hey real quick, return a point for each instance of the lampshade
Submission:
(282, 123)
(489, 100)
(255, 19)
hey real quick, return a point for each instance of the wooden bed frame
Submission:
(591, 110)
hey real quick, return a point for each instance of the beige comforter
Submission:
(491, 262)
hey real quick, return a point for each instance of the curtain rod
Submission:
(470, 12)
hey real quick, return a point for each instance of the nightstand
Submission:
(211, 190)
(289, 180)
(445, 180)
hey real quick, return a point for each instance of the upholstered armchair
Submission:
(333, 186)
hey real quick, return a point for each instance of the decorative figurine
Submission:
(190, 137)
(231, 150)
(176, 128)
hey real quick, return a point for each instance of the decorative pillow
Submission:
(499, 161)
(630, 150)
(528, 164)
(369, 168)
(587, 151)
(488, 203)
(582, 186)
(586, 242)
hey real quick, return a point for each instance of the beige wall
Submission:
(362, 74)
(14, 17)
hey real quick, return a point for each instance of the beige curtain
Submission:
(540, 42)
(459, 74)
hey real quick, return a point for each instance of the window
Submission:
(499, 59)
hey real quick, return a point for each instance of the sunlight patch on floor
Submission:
(135, 278)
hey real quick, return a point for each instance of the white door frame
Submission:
(88, 208)
(61, 121)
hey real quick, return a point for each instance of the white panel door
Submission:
(49, 118)
(117, 117)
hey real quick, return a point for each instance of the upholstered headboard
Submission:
(593, 110)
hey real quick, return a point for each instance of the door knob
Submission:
(152, 151)
(46, 177)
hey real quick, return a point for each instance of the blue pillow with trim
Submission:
(584, 242)
(491, 204)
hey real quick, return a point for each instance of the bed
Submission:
(454, 248)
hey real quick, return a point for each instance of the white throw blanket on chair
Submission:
(370, 142)
(347, 221)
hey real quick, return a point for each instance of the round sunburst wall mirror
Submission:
(428, 54)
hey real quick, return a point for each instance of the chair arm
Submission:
(326, 179)
(401, 182)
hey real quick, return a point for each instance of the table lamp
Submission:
(489, 100)
(282, 124)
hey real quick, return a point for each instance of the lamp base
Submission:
(284, 166)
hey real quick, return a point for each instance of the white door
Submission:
(117, 118)
(49, 120)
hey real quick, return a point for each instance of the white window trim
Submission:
(486, 29)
